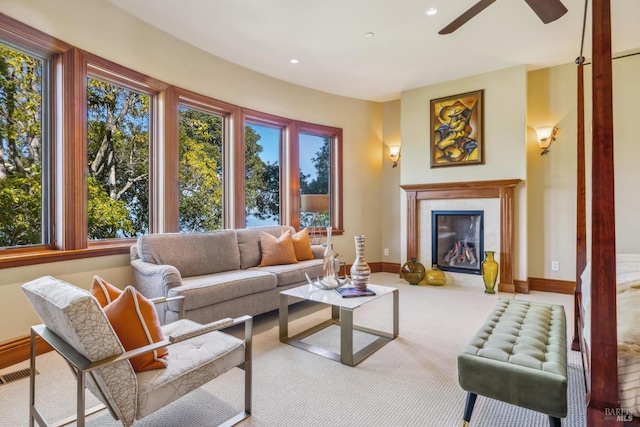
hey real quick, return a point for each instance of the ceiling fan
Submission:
(547, 11)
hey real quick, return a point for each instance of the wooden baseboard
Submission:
(391, 267)
(18, 349)
(551, 285)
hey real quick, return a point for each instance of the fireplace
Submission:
(457, 240)
(445, 193)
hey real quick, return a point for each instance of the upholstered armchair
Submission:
(76, 326)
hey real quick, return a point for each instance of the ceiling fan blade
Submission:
(547, 10)
(462, 19)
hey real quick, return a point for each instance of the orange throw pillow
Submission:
(104, 292)
(276, 251)
(135, 321)
(302, 245)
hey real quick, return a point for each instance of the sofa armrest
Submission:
(153, 280)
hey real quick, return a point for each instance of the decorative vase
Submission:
(413, 272)
(436, 277)
(329, 264)
(489, 272)
(360, 270)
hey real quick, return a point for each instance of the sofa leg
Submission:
(468, 408)
(554, 421)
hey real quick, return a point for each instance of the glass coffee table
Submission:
(342, 315)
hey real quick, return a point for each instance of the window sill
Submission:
(12, 258)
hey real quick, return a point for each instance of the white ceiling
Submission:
(406, 52)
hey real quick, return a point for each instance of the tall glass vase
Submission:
(360, 270)
(489, 272)
(329, 264)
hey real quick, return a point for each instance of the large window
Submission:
(319, 151)
(200, 171)
(118, 161)
(21, 149)
(93, 154)
(262, 174)
(315, 165)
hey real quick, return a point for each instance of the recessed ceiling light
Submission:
(293, 61)
(369, 35)
(431, 11)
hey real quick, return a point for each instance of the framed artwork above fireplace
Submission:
(457, 130)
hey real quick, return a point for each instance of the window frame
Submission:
(285, 125)
(229, 113)
(335, 170)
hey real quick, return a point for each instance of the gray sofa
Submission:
(216, 272)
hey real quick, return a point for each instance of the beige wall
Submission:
(552, 177)
(505, 137)
(390, 189)
(103, 29)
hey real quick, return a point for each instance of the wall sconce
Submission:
(394, 154)
(546, 135)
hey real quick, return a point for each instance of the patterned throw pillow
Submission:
(277, 250)
(302, 245)
(135, 321)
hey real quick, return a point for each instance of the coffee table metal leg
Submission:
(284, 317)
(396, 315)
(346, 336)
(335, 312)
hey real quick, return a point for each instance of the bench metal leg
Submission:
(555, 421)
(468, 408)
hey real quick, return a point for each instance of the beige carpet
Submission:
(411, 381)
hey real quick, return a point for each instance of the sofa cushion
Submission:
(249, 243)
(193, 254)
(289, 274)
(202, 291)
(277, 250)
(302, 245)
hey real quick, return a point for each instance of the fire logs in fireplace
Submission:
(461, 253)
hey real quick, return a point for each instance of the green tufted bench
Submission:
(518, 356)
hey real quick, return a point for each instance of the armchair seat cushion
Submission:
(203, 291)
(190, 364)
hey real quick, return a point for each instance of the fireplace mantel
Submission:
(502, 189)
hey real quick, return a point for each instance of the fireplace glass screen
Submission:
(457, 240)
